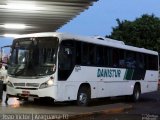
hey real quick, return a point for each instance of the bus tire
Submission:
(136, 93)
(84, 96)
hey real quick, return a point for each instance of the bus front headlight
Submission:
(9, 84)
(47, 83)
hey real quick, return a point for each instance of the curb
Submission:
(102, 112)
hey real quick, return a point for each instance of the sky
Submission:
(101, 17)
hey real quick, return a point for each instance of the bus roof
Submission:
(91, 39)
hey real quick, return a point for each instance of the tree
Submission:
(142, 32)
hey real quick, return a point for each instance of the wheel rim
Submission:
(83, 98)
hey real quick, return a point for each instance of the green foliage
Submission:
(143, 32)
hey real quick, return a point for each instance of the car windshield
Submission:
(33, 56)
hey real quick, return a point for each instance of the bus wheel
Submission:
(83, 97)
(136, 93)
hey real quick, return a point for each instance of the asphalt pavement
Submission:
(67, 109)
(116, 108)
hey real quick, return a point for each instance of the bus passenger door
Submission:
(66, 63)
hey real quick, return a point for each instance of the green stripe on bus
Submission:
(125, 74)
(129, 74)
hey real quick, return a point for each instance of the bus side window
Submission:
(85, 54)
(115, 57)
(100, 56)
(130, 60)
(88, 54)
(107, 56)
(92, 54)
(78, 53)
(121, 58)
(140, 63)
(66, 58)
(152, 62)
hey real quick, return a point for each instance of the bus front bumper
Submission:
(37, 93)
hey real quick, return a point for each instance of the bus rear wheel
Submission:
(83, 98)
(136, 93)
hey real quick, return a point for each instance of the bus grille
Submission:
(19, 84)
(32, 84)
(27, 88)
(26, 84)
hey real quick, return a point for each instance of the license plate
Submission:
(26, 93)
(31, 98)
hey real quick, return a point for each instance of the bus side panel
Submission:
(71, 85)
(110, 89)
(67, 90)
(115, 86)
(101, 85)
(150, 82)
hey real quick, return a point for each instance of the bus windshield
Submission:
(33, 56)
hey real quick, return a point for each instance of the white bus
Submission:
(68, 67)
